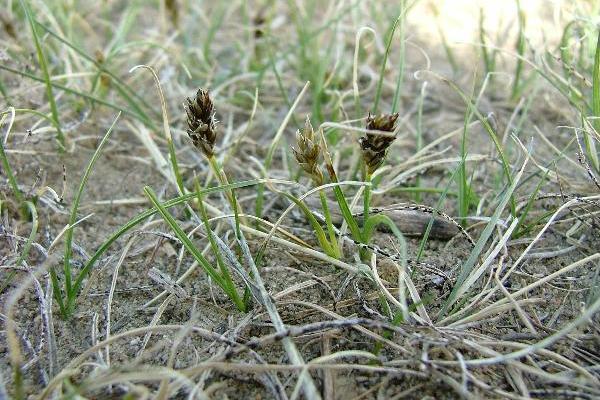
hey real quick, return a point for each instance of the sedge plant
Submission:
(307, 154)
(374, 146)
(202, 129)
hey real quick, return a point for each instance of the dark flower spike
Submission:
(374, 145)
(201, 122)
(308, 152)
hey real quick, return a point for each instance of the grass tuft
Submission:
(66, 296)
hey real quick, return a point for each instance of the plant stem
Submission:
(231, 290)
(339, 194)
(520, 47)
(332, 238)
(366, 199)
(222, 177)
(243, 303)
(220, 174)
(365, 255)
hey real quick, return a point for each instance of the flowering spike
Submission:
(374, 145)
(308, 152)
(201, 122)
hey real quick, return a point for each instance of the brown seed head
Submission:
(374, 145)
(173, 9)
(308, 152)
(201, 122)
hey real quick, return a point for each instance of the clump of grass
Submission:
(66, 296)
(67, 300)
(223, 278)
(580, 82)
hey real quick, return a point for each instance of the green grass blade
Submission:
(4, 93)
(141, 218)
(490, 131)
(487, 59)
(185, 240)
(384, 62)
(419, 137)
(58, 293)
(279, 81)
(216, 20)
(381, 219)
(443, 37)
(73, 217)
(464, 189)
(405, 8)
(126, 92)
(518, 233)
(565, 55)
(589, 141)
(467, 267)
(166, 128)
(438, 205)
(328, 222)
(240, 304)
(319, 232)
(347, 214)
(516, 89)
(45, 73)
(86, 96)
(339, 194)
